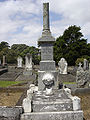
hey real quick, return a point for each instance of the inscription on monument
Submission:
(47, 53)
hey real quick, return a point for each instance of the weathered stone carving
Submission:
(48, 79)
(82, 77)
(62, 66)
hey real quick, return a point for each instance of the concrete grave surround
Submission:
(63, 66)
(19, 62)
(48, 102)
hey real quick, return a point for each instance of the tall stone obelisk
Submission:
(46, 41)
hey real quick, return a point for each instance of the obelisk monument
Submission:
(46, 41)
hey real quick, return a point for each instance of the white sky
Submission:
(21, 20)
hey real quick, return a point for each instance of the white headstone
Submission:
(27, 105)
(4, 60)
(76, 103)
(86, 64)
(28, 62)
(0, 61)
(19, 62)
(63, 66)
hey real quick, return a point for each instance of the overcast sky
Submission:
(21, 20)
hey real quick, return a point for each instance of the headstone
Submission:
(28, 62)
(82, 77)
(76, 103)
(19, 60)
(63, 66)
(85, 64)
(27, 105)
(46, 42)
(4, 60)
(89, 67)
(28, 65)
(0, 62)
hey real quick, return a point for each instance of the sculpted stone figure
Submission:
(48, 80)
(62, 66)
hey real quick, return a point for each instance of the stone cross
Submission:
(80, 64)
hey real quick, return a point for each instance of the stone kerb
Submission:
(10, 113)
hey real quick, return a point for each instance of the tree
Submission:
(71, 45)
(3, 45)
(18, 48)
(34, 52)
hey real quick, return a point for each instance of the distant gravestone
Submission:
(82, 77)
(28, 65)
(85, 64)
(0, 62)
(89, 67)
(19, 60)
(28, 62)
(4, 60)
(63, 66)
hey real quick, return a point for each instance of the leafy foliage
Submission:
(71, 45)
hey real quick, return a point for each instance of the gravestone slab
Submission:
(85, 64)
(28, 65)
(19, 60)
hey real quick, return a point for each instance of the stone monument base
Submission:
(62, 115)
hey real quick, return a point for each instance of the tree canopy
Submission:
(71, 45)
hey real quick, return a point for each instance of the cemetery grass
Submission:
(9, 83)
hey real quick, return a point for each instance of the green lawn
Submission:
(8, 83)
(69, 82)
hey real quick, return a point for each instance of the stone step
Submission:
(61, 115)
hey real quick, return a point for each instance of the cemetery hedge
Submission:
(71, 45)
